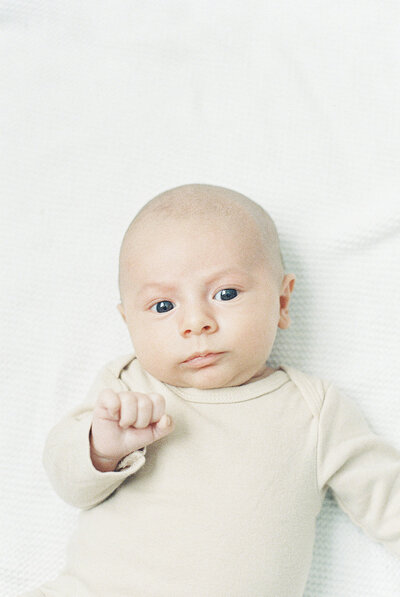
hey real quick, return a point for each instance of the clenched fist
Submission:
(124, 422)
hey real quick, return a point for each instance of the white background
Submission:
(105, 104)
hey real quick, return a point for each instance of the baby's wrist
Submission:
(102, 463)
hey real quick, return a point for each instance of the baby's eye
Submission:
(227, 294)
(162, 306)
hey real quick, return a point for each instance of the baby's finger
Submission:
(145, 411)
(129, 409)
(109, 403)
(158, 407)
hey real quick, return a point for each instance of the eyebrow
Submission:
(169, 287)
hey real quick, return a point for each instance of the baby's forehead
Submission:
(194, 234)
(213, 212)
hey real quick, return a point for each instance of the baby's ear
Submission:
(121, 310)
(284, 299)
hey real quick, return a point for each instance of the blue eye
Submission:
(227, 294)
(162, 306)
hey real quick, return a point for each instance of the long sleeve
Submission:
(66, 454)
(361, 468)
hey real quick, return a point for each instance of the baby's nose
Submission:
(198, 323)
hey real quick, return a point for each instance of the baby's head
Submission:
(201, 272)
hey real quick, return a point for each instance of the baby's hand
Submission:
(123, 423)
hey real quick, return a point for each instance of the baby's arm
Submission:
(67, 451)
(362, 469)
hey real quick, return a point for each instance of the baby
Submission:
(199, 469)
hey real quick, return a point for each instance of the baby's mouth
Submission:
(202, 360)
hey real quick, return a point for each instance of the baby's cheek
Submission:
(259, 337)
(245, 337)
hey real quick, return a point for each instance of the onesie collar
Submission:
(231, 394)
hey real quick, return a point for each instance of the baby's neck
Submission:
(264, 372)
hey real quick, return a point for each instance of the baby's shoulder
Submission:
(311, 387)
(119, 364)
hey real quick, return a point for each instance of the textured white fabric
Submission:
(105, 104)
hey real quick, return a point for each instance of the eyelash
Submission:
(167, 301)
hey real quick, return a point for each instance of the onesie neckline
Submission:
(233, 393)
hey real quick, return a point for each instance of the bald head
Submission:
(207, 203)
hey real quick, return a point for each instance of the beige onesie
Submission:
(226, 505)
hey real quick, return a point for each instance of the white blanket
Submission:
(105, 104)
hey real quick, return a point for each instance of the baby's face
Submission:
(196, 287)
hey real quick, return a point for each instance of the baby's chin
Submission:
(206, 378)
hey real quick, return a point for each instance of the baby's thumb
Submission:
(164, 426)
